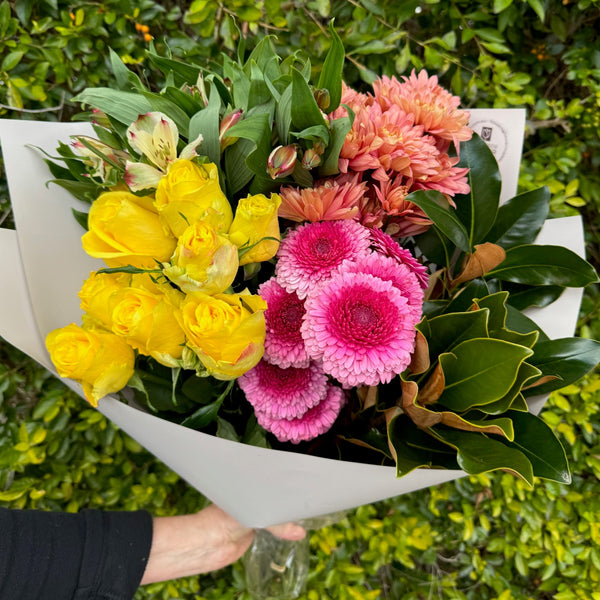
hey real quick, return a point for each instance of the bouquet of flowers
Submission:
(304, 267)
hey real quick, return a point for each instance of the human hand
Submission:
(202, 542)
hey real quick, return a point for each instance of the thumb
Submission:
(288, 531)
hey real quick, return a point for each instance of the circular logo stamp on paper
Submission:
(494, 135)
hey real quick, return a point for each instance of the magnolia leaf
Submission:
(535, 439)
(477, 210)
(545, 265)
(435, 205)
(463, 299)
(481, 454)
(433, 388)
(539, 296)
(479, 371)
(496, 303)
(367, 396)
(568, 359)
(526, 373)
(486, 257)
(517, 321)
(520, 219)
(444, 332)
(419, 362)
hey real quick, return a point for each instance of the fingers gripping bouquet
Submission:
(312, 268)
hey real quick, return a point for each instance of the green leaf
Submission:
(479, 371)
(255, 128)
(496, 303)
(315, 133)
(125, 107)
(123, 76)
(566, 358)
(11, 60)
(81, 218)
(444, 332)
(331, 73)
(238, 175)
(338, 130)
(86, 192)
(305, 112)
(478, 453)
(538, 7)
(255, 435)
(538, 296)
(517, 321)
(415, 449)
(544, 265)
(183, 72)
(226, 430)
(477, 210)
(526, 373)
(283, 116)
(500, 5)
(205, 415)
(462, 301)
(537, 441)
(436, 207)
(206, 122)
(160, 103)
(520, 219)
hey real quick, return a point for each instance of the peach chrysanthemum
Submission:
(327, 201)
(432, 106)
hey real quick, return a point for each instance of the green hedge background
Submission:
(478, 538)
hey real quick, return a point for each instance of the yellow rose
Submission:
(204, 261)
(101, 362)
(189, 193)
(226, 331)
(147, 321)
(123, 231)
(255, 219)
(96, 293)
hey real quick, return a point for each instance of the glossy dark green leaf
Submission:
(125, 107)
(537, 441)
(81, 218)
(436, 207)
(520, 219)
(517, 321)
(477, 210)
(331, 73)
(305, 112)
(415, 449)
(544, 265)
(478, 453)
(538, 296)
(496, 303)
(569, 359)
(435, 246)
(444, 332)
(205, 415)
(464, 299)
(479, 371)
(526, 373)
(315, 133)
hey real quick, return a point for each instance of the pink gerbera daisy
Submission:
(390, 269)
(284, 345)
(280, 393)
(327, 201)
(309, 254)
(361, 327)
(386, 245)
(314, 422)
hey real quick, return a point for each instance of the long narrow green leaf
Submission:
(331, 74)
(125, 107)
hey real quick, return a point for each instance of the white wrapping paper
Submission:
(42, 270)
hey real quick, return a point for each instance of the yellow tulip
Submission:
(123, 231)
(189, 193)
(226, 331)
(256, 219)
(102, 362)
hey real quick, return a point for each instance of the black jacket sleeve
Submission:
(93, 555)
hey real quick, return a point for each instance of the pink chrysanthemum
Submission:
(448, 178)
(386, 245)
(327, 201)
(314, 422)
(284, 345)
(432, 106)
(284, 393)
(309, 254)
(361, 327)
(390, 269)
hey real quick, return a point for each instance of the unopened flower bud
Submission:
(322, 98)
(319, 148)
(227, 123)
(311, 159)
(99, 117)
(281, 161)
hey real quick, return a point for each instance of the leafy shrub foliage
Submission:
(479, 538)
